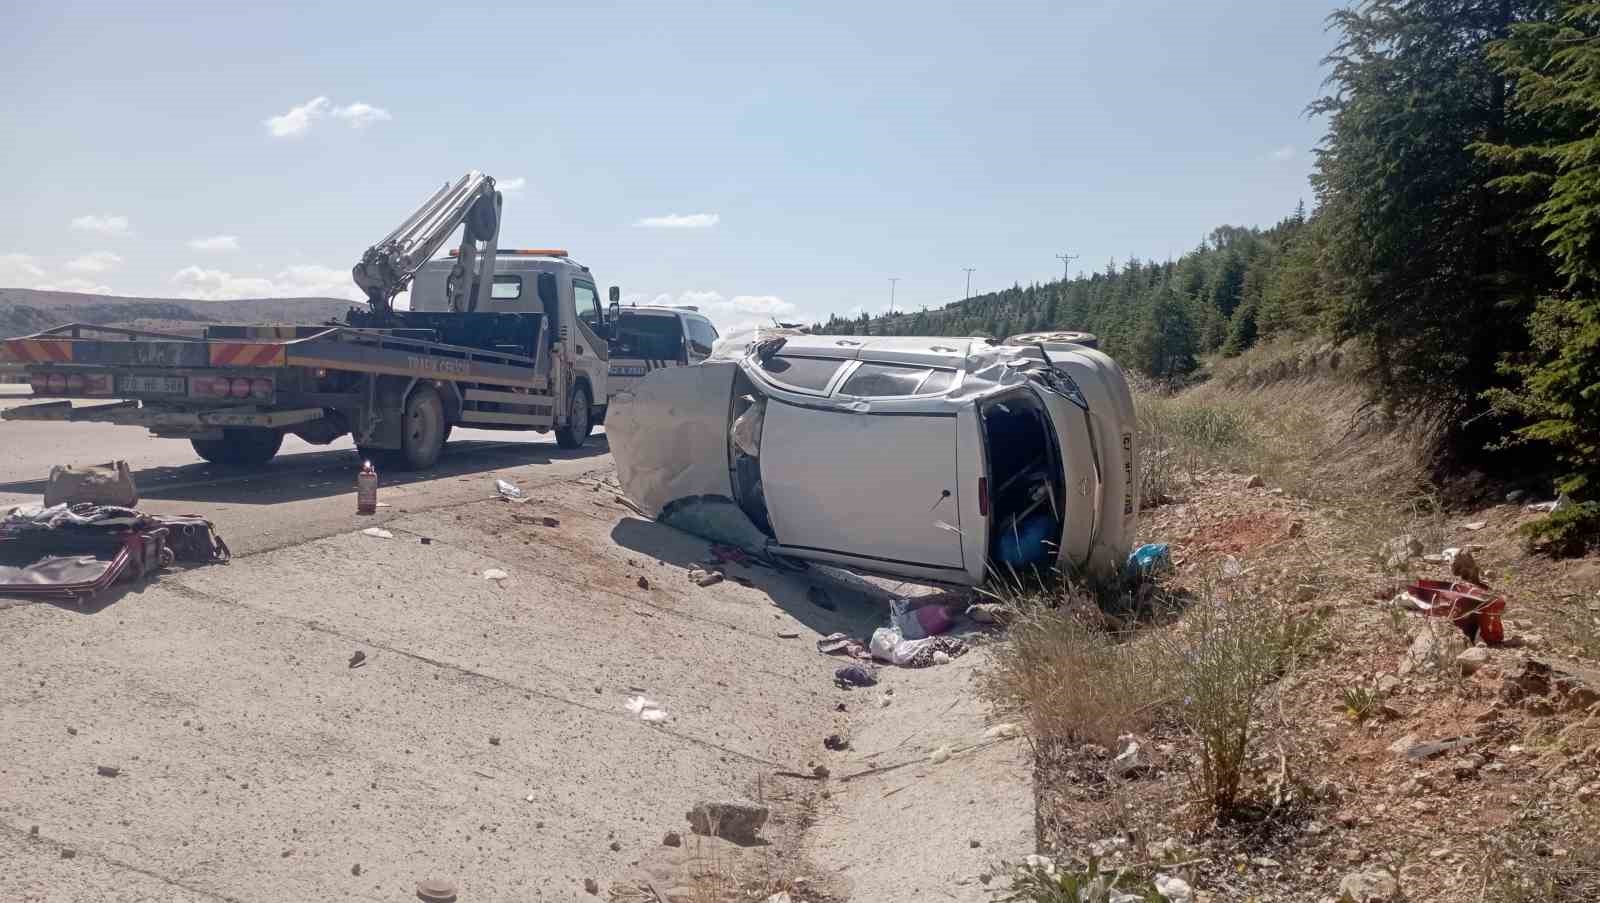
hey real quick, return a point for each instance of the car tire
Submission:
(240, 447)
(579, 423)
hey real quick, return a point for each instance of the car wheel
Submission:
(422, 429)
(240, 447)
(578, 423)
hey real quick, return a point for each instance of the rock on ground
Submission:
(737, 820)
(1375, 886)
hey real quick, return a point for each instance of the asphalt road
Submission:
(486, 737)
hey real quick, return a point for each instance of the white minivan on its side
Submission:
(942, 459)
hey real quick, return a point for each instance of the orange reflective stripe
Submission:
(239, 354)
(36, 351)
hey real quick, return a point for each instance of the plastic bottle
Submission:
(367, 489)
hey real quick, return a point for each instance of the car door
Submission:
(879, 486)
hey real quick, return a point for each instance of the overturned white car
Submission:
(940, 459)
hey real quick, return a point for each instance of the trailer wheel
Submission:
(578, 425)
(240, 447)
(422, 429)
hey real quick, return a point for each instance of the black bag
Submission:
(191, 538)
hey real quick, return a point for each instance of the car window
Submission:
(938, 382)
(587, 301)
(812, 373)
(886, 380)
(701, 335)
(506, 288)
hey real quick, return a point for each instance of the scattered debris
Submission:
(1470, 607)
(1255, 482)
(68, 853)
(788, 635)
(72, 552)
(107, 771)
(1128, 762)
(1173, 889)
(436, 890)
(1003, 731)
(1472, 659)
(855, 676)
(989, 613)
(887, 645)
(591, 886)
(496, 575)
(509, 492)
(646, 709)
(1463, 565)
(820, 772)
(738, 820)
(672, 839)
(644, 582)
(835, 742)
(941, 657)
(1515, 496)
(616, 846)
(841, 644)
(1231, 568)
(356, 870)
(494, 741)
(702, 577)
(367, 489)
(940, 755)
(378, 533)
(919, 622)
(358, 658)
(1375, 886)
(425, 540)
(1475, 526)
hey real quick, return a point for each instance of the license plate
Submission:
(153, 385)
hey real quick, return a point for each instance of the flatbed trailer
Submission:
(236, 390)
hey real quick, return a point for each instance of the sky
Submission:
(757, 159)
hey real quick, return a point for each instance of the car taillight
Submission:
(260, 388)
(39, 382)
(983, 496)
(239, 387)
(58, 382)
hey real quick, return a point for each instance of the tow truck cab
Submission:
(542, 281)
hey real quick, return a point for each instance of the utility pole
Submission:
(969, 280)
(892, 281)
(1066, 262)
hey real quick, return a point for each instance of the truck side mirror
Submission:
(615, 294)
(615, 312)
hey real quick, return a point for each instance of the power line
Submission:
(1066, 263)
(969, 280)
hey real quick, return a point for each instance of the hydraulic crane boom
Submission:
(387, 267)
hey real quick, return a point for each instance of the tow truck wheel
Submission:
(240, 447)
(578, 425)
(422, 429)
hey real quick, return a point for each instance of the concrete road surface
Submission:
(486, 736)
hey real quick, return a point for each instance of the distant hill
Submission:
(25, 310)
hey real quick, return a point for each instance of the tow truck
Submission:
(492, 339)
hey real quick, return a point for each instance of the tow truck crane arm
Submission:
(386, 269)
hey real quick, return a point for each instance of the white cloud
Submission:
(94, 262)
(215, 243)
(82, 286)
(19, 270)
(511, 186)
(361, 115)
(304, 281)
(298, 120)
(295, 122)
(680, 221)
(737, 313)
(1285, 152)
(104, 223)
